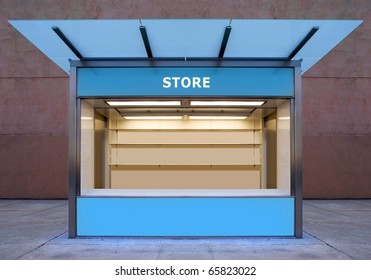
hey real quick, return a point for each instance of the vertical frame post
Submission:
(298, 139)
(72, 155)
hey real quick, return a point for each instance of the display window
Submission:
(185, 147)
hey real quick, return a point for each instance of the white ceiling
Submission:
(191, 38)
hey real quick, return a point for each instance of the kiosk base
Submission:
(193, 217)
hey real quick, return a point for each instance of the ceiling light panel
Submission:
(217, 117)
(144, 103)
(153, 117)
(226, 103)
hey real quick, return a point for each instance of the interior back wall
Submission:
(336, 93)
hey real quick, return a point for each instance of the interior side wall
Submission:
(283, 149)
(270, 125)
(100, 141)
(87, 146)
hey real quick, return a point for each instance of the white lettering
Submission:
(206, 82)
(196, 82)
(176, 79)
(186, 82)
(166, 82)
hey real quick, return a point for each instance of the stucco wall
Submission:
(336, 93)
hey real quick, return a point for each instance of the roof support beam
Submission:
(227, 32)
(67, 42)
(146, 41)
(303, 42)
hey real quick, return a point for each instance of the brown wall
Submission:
(336, 93)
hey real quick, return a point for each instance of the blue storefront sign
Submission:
(192, 81)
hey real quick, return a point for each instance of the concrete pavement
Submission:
(333, 229)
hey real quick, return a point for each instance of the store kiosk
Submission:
(186, 146)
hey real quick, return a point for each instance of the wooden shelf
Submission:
(185, 167)
(183, 145)
(179, 130)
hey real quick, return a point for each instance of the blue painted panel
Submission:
(149, 82)
(185, 216)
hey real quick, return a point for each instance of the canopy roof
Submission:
(63, 40)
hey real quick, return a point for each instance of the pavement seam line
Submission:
(309, 203)
(334, 212)
(39, 211)
(329, 245)
(28, 214)
(41, 245)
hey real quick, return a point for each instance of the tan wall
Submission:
(185, 154)
(336, 93)
(196, 177)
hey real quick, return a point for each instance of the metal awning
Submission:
(64, 40)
